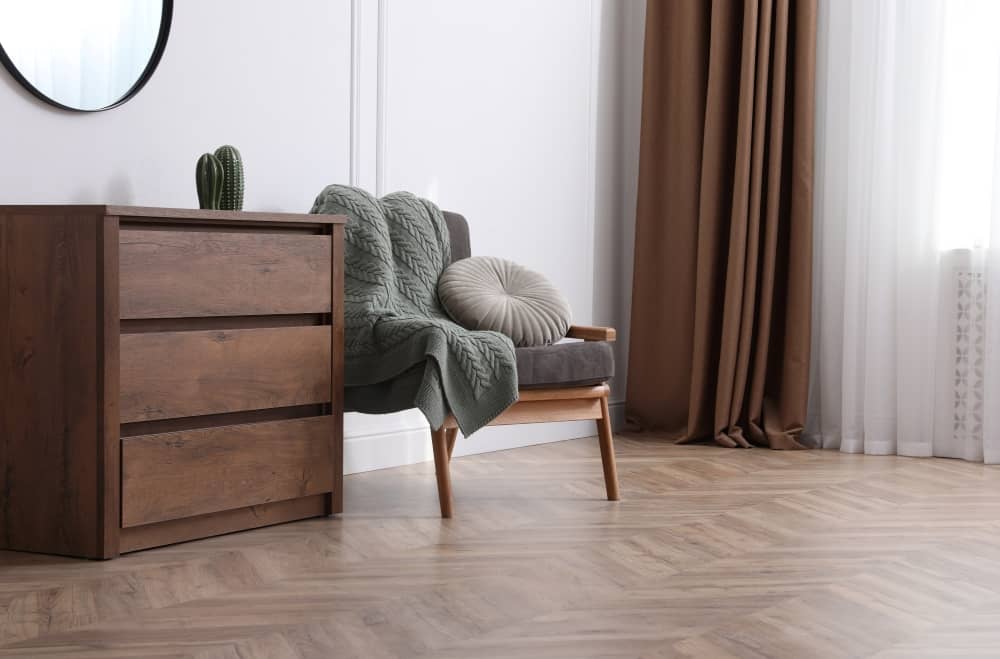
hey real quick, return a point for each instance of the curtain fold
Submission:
(720, 338)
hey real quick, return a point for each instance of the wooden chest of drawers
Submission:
(166, 374)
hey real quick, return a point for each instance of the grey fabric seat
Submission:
(568, 364)
(571, 364)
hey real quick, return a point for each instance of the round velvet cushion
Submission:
(488, 293)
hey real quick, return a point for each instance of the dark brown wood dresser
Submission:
(166, 374)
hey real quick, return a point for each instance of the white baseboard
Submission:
(412, 445)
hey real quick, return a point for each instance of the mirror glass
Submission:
(83, 54)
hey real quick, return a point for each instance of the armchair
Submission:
(560, 382)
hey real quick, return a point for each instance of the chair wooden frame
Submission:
(542, 406)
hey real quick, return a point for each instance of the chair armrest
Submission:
(591, 333)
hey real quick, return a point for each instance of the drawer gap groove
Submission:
(141, 325)
(158, 426)
(222, 227)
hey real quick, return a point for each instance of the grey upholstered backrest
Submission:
(458, 229)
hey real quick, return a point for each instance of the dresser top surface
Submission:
(172, 213)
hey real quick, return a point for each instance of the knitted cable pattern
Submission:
(401, 348)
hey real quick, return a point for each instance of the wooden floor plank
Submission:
(711, 552)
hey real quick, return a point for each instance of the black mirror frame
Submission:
(166, 16)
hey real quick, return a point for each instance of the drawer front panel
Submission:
(195, 472)
(184, 274)
(167, 375)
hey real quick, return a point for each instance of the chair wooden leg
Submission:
(452, 434)
(608, 451)
(439, 440)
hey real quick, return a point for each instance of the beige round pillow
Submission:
(489, 293)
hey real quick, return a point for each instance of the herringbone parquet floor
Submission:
(713, 553)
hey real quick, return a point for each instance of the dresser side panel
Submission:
(50, 387)
(336, 499)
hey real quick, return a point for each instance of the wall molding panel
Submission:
(355, 95)
(382, 96)
(365, 98)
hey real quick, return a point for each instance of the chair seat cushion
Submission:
(567, 364)
(489, 293)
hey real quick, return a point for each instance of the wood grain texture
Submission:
(196, 472)
(543, 405)
(178, 374)
(563, 393)
(543, 411)
(51, 455)
(109, 386)
(66, 358)
(546, 411)
(137, 538)
(335, 500)
(442, 456)
(588, 333)
(182, 274)
(215, 420)
(175, 215)
(205, 216)
(606, 440)
(711, 553)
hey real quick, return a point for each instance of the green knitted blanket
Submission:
(401, 349)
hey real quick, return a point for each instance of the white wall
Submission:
(522, 115)
(274, 83)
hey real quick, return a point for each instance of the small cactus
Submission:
(232, 184)
(210, 178)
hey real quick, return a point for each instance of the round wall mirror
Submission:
(83, 55)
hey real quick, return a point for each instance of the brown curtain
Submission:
(719, 341)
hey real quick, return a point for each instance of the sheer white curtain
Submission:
(906, 327)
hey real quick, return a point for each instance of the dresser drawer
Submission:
(166, 375)
(184, 274)
(195, 472)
